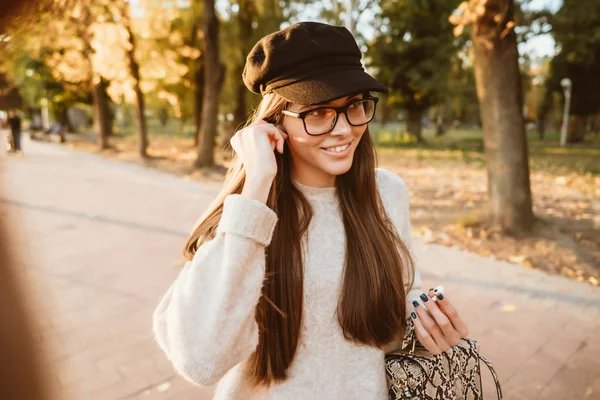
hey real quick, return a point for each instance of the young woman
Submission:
(300, 275)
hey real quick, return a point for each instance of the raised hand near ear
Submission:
(255, 146)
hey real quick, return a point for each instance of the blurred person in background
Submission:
(14, 121)
(300, 275)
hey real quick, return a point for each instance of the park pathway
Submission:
(101, 241)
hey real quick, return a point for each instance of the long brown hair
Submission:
(372, 304)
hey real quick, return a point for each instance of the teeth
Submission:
(338, 149)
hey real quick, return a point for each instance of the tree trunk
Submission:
(102, 123)
(134, 70)
(244, 21)
(499, 91)
(198, 74)
(413, 123)
(102, 118)
(577, 128)
(198, 99)
(213, 79)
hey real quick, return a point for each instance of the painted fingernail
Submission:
(413, 315)
(424, 298)
(440, 296)
(415, 303)
(430, 289)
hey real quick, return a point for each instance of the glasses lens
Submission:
(319, 121)
(361, 112)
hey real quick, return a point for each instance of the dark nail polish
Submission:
(424, 298)
(413, 315)
(416, 303)
(440, 296)
(430, 289)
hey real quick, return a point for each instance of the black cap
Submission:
(308, 63)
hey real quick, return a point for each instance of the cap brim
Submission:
(330, 86)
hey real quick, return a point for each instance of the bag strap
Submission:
(498, 389)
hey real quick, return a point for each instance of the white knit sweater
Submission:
(206, 324)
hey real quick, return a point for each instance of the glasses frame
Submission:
(338, 110)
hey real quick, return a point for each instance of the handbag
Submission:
(414, 373)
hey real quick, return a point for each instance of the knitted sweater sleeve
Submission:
(205, 323)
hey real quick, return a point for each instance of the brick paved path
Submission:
(102, 241)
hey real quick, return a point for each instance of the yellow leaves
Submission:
(76, 13)
(516, 259)
(122, 89)
(471, 12)
(70, 65)
(463, 7)
(479, 9)
(455, 19)
(458, 30)
(110, 59)
(561, 180)
(176, 39)
(189, 52)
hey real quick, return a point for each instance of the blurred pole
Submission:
(349, 8)
(45, 114)
(566, 85)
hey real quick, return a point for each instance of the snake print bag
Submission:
(415, 374)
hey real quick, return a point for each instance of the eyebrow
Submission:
(326, 105)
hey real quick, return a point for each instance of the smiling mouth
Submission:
(337, 149)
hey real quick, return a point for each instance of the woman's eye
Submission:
(318, 113)
(356, 105)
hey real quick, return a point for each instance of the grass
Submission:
(172, 130)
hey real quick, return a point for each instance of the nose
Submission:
(342, 127)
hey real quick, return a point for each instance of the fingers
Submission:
(424, 337)
(432, 327)
(443, 322)
(277, 138)
(444, 304)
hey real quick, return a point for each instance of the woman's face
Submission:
(317, 160)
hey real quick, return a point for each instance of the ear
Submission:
(282, 126)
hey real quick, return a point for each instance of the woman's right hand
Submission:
(255, 147)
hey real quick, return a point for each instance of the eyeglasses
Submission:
(322, 120)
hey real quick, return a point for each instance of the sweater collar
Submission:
(317, 193)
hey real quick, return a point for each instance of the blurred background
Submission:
(115, 118)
